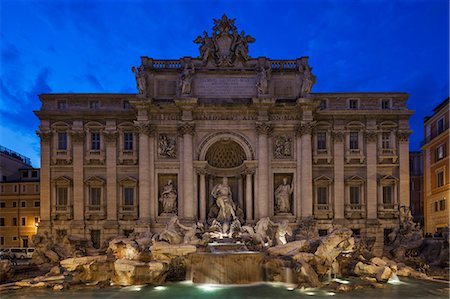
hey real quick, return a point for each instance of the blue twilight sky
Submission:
(89, 46)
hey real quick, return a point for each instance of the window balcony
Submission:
(355, 211)
(322, 154)
(388, 211)
(127, 212)
(323, 211)
(95, 157)
(62, 157)
(95, 212)
(387, 154)
(62, 212)
(129, 157)
(354, 154)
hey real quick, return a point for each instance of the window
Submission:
(128, 195)
(436, 206)
(440, 179)
(23, 204)
(15, 188)
(440, 125)
(23, 221)
(385, 104)
(95, 238)
(37, 203)
(2, 204)
(386, 140)
(323, 104)
(354, 195)
(322, 196)
(94, 104)
(14, 238)
(2, 240)
(94, 197)
(62, 105)
(442, 204)
(14, 204)
(323, 232)
(356, 232)
(34, 174)
(61, 196)
(353, 104)
(36, 220)
(126, 104)
(24, 188)
(36, 188)
(354, 140)
(2, 221)
(440, 152)
(127, 232)
(321, 141)
(128, 141)
(387, 195)
(25, 174)
(95, 141)
(62, 141)
(14, 221)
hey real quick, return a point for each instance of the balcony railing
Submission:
(127, 212)
(62, 212)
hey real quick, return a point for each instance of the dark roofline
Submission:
(441, 105)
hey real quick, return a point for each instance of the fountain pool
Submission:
(408, 289)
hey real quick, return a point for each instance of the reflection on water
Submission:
(186, 290)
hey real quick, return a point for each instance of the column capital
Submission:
(338, 136)
(77, 135)
(264, 128)
(403, 135)
(249, 171)
(44, 135)
(110, 136)
(371, 135)
(305, 128)
(145, 127)
(186, 128)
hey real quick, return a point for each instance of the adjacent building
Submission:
(19, 200)
(117, 163)
(416, 185)
(436, 168)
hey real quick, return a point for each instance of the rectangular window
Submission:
(440, 179)
(356, 232)
(37, 203)
(322, 196)
(128, 141)
(62, 141)
(25, 174)
(387, 195)
(436, 206)
(321, 141)
(440, 152)
(353, 104)
(95, 141)
(95, 193)
(386, 140)
(442, 204)
(95, 238)
(354, 195)
(23, 221)
(61, 196)
(323, 104)
(23, 204)
(323, 232)
(385, 104)
(36, 188)
(34, 174)
(24, 188)
(14, 204)
(14, 238)
(62, 105)
(94, 104)
(354, 140)
(2, 221)
(126, 104)
(15, 188)
(128, 195)
(440, 125)
(2, 204)
(14, 221)
(127, 232)
(2, 240)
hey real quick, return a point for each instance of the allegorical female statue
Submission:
(222, 194)
(283, 197)
(141, 81)
(168, 198)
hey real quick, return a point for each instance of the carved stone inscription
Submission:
(225, 87)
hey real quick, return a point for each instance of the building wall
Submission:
(436, 197)
(416, 185)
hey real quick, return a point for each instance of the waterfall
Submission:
(394, 279)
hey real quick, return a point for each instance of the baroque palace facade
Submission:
(117, 163)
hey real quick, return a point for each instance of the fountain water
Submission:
(394, 279)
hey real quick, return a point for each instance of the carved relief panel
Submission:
(283, 194)
(167, 146)
(282, 147)
(167, 194)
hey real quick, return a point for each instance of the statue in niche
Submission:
(141, 81)
(207, 47)
(186, 79)
(282, 147)
(223, 199)
(308, 80)
(169, 198)
(167, 146)
(262, 80)
(283, 197)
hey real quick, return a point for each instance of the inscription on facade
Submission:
(225, 87)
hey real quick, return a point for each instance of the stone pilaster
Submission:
(202, 194)
(304, 130)
(45, 191)
(77, 138)
(187, 129)
(263, 129)
(371, 138)
(403, 153)
(110, 136)
(298, 181)
(249, 195)
(338, 158)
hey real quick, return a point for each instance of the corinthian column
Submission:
(403, 154)
(371, 175)
(111, 173)
(338, 158)
(45, 136)
(263, 129)
(248, 195)
(304, 130)
(187, 131)
(77, 138)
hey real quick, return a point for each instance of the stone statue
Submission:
(169, 198)
(167, 146)
(282, 147)
(283, 229)
(141, 80)
(262, 80)
(207, 47)
(186, 79)
(241, 45)
(222, 194)
(283, 197)
(177, 233)
(308, 80)
(263, 231)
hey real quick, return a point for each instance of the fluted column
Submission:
(202, 194)
(45, 208)
(371, 138)
(338, 159)
(77, 138)
(187, 131)
(403, 159)
(263, 129)
(111, 173)
(249, 195)
(306, 169)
